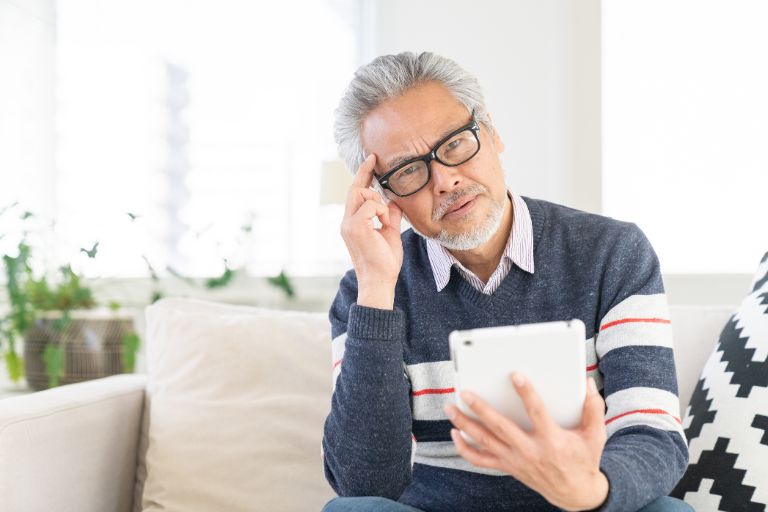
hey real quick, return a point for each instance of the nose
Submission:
(444, 178)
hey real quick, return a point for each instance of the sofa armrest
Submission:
(72, 448)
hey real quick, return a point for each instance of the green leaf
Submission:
(152, 272)
(282, 282)
(114, 305)
(92, 251)
(15, 365)
(221, 281)
(131, 344)
(64, 321)
(53, 355)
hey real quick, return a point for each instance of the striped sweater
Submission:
(387, 434)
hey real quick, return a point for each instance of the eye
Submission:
(453, 144)
(404, 173)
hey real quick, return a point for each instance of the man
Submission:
(416, 127)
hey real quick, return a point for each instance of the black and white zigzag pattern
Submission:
(727, 419)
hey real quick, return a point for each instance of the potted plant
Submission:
(68, 337)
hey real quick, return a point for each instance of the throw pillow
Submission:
(726, 422)
(236, 401)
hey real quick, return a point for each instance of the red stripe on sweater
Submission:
(431, 391)
(337, 363)
(627, 320)
(642, 411)
(591, 367)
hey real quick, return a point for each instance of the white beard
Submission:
(474, 237)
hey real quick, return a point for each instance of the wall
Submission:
(538, 63)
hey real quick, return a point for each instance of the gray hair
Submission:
(389, 76)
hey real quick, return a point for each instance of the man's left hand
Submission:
(563, 465)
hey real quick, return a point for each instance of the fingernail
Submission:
(592, 386)
(468, 397)
(518, 379)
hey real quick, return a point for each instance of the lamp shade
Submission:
(335, 180)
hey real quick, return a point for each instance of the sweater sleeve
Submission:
(646, 453)
(367, 436)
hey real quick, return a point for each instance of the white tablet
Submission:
(551, 355)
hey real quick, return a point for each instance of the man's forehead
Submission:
(393, 129)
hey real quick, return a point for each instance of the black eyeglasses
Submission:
(452, 150)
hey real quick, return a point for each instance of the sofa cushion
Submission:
(726, 422)
(237, 397)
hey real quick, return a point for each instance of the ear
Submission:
(497, 142)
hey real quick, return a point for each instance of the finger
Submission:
(356, 196)
(364, 174)
(504, 428)
(593, 413)
(482, 432)
(395, 217)
(537, 413)
(473, 455)
(370, 209)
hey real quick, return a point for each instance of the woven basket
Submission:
(93, 346)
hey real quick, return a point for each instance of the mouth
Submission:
(460, 207)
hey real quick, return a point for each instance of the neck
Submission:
(483, 260)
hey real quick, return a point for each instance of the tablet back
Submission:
(551, 355)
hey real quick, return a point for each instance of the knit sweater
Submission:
(387, 433)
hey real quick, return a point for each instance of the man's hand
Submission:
(563, 465)
(377, 254)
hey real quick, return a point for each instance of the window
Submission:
(208, 122)
(685, 124)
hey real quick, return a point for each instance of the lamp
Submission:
(335, 181)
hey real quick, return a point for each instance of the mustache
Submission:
(446, 203)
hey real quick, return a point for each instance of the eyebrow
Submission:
(396, 161)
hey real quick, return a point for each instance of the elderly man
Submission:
(416, 130)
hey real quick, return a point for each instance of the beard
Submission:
(476, 235)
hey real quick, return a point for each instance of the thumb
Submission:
(593, 414)
(395, 216)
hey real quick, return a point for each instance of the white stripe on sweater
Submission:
(427, 382)
(637, 320)
(643, 406)
(337, 354)
(444, 454)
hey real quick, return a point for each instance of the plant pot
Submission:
(92, 341)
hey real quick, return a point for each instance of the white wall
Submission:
(538, 64)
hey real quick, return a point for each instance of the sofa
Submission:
(228, 416)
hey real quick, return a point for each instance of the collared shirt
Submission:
(518, 251)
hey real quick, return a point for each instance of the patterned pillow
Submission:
(727, 420)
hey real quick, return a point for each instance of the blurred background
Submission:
(173, 147)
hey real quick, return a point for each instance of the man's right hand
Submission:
(377, 253)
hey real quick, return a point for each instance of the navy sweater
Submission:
(387, 434)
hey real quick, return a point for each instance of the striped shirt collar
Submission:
(519, 248)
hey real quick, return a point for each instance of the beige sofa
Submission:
(134, 442)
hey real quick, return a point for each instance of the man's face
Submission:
(410, 125)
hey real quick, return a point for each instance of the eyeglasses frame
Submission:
(432, 155)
